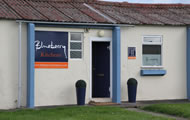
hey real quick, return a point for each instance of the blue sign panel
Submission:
(131, 52)
(51, 46)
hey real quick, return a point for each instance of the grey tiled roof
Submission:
(92, 11)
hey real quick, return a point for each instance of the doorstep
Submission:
(102, 103)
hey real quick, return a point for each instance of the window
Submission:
(152, 51)
(76, 40)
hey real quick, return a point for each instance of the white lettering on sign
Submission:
(40, 45)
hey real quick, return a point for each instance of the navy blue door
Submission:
(100, 69)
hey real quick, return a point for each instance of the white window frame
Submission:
(153, 43)
(77, 41)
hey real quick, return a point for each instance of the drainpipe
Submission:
(188, 62)
(19, 65)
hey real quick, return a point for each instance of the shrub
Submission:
(80, 84)
(132, 81)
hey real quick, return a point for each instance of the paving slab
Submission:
(146, 103)
(156, 114)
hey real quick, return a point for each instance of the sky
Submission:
(153, 1)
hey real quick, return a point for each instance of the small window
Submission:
(152, 51)
(76, 45)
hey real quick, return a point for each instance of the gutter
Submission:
(70, 23)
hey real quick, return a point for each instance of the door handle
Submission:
(100, 75)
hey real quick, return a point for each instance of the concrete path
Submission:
(156, 114)
(147, 103)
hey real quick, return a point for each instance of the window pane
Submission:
(151, 60)
(76, 36)
(152, 49)
(76, 45)
(75, 54)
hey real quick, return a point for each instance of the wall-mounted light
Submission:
(101, 33)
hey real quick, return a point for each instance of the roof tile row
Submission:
(77, 11)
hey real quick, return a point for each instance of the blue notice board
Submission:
(51, 49)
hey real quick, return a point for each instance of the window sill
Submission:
(152, 67)
(76, 59)
(153, 72)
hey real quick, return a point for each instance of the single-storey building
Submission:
(47, 45)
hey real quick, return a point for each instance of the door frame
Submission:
(98, 39)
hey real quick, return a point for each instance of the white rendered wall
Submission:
(57, 86)
(170, 86)
(9, 64)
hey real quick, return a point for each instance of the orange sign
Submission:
(51, 64)
(131, 57)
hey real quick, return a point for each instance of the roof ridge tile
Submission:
(75, 1)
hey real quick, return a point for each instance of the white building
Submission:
(46, 46)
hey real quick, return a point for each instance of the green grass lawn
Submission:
(76, 113)
(181, 110)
